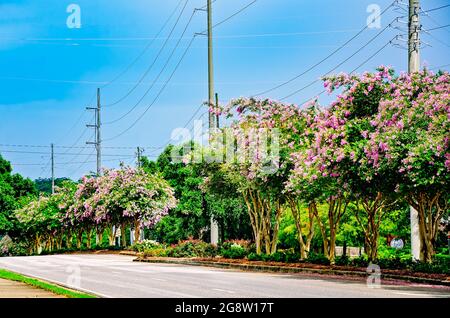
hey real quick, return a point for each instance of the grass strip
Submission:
(43, 285)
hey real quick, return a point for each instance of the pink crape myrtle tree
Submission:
(411, 139)
(261, 136)
(119, 198)
(384, 139)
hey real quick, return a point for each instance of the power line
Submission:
(340, 64)
(233, 15)
(176, 68)
(145, 49)
(256, 35)
(157, 78)
(437, 39)
(437, 28)
(324, 59)
(433, 20)
(157, 96)
(72, 163)
(70, 147)
(435, 9)
(439, 67)
(373, 55)
(56, 154)
(154, 60)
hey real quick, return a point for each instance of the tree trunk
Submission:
(69, 239)
(79, 239)
(137, 231)
(60, 241)
(112, 235)
(123, 239)
(373, 210)
(99, 236)
(296, 213)
(88, 239)
(430, 209)
(253, 210)
(336, 208)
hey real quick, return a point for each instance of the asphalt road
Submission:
(118, 276)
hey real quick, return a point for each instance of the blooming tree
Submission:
(40, 219)
(123, 197)
(260, 138)
(412, 141)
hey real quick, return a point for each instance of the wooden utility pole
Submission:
(138, 154)
(414, 66)
(212, 118)
(210, 66)
(53, 169)
(414, 36)
(217, 116)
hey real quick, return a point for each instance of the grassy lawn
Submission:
(43, 285)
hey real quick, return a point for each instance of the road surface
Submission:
(118, 276)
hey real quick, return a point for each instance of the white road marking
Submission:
(412, 294)
(224, 291)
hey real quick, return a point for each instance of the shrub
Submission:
(157, 252)
(233, 251)
(193, 248)
(342, 260)
(145, 245)
(360, 261)
(254, 257)
(10, 248)
(317, 259)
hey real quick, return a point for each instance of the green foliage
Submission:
(317, 259)
(12, 188)
(192, 248)
(4, 274)
(145, 245)
(233, 251)
(196, 206)
(10, 248)
(45, 185)
(283, 256)
(287, 236)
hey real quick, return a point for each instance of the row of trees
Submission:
(12, 188)
(382, 143)
(384, 140)
(118, 199)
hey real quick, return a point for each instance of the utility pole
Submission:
(210, 66)
(53, 170)
(212, 118)
(97, 126)
(139, 154)
(99, 139)
(217, 116)
(414, 66)
(414, 36)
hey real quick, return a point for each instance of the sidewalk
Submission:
(12, 289)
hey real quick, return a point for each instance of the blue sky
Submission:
(49, 72)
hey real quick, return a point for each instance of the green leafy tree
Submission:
(12, 188)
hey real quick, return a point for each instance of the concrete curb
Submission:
(286, 269)
(129, 253)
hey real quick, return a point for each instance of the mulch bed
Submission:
(399, 272)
